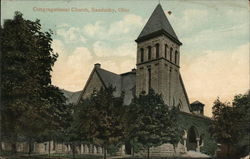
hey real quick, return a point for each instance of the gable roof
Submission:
(109, 78)
(158, 24)
(123, 83)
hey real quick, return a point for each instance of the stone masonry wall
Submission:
(94, 84)
(165, 75)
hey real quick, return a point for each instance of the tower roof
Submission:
(156, 25)
(197, 103)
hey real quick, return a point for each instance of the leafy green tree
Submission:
(154, 123)
(132, 126)
(101, 118)
(172, 131)
(58, 118)
(31, 105)
(242, 106)
(145, 120)
(224, 128)
(77, 129)
(72, 138)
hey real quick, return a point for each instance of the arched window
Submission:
(176, 57)
(149, 53)
(157, 50)
(166, 51)
(142, 54)
(171, 52)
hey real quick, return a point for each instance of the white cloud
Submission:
(92, 29)
(71, 34)
(129, 23)
(189, 19)
(71, 72)
(236, 16)
(205, 24)
(118, 66)
(80, 56)
(217, 73)
(127, 65)
(193, 17)
(110, 65)
(57, 46)
(208, 36)
(116, 30)
(127, 49)
(63, 25)
(103, 49)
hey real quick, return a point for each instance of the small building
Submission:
(197, 107)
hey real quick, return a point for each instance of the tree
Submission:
(231, 124)
(132, 126)
(242, 106)
(101, 118)
(30, 103)
(72, 136)
(154, 122)
(172, 130)
(146, 121)
(224, 128)
(78, 126)
(58, 118)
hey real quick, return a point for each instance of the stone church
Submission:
(158, 67)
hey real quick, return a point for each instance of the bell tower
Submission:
(158, 61)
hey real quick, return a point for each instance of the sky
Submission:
(215, 36)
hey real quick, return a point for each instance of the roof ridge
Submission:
(108, 71)
(109, 78)
(127, 73)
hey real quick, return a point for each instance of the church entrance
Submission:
(193, 139)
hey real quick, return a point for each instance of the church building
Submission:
(158, 67)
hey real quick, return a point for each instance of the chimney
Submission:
(97, 65)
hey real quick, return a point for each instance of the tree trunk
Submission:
(174, 150)
(13, 148)
(73, 150)
(49, 149)
(133, 148)
(133, 151)
(228, 151)
(30, 147)
(13, 143)
(148, 152)
(105, 152)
